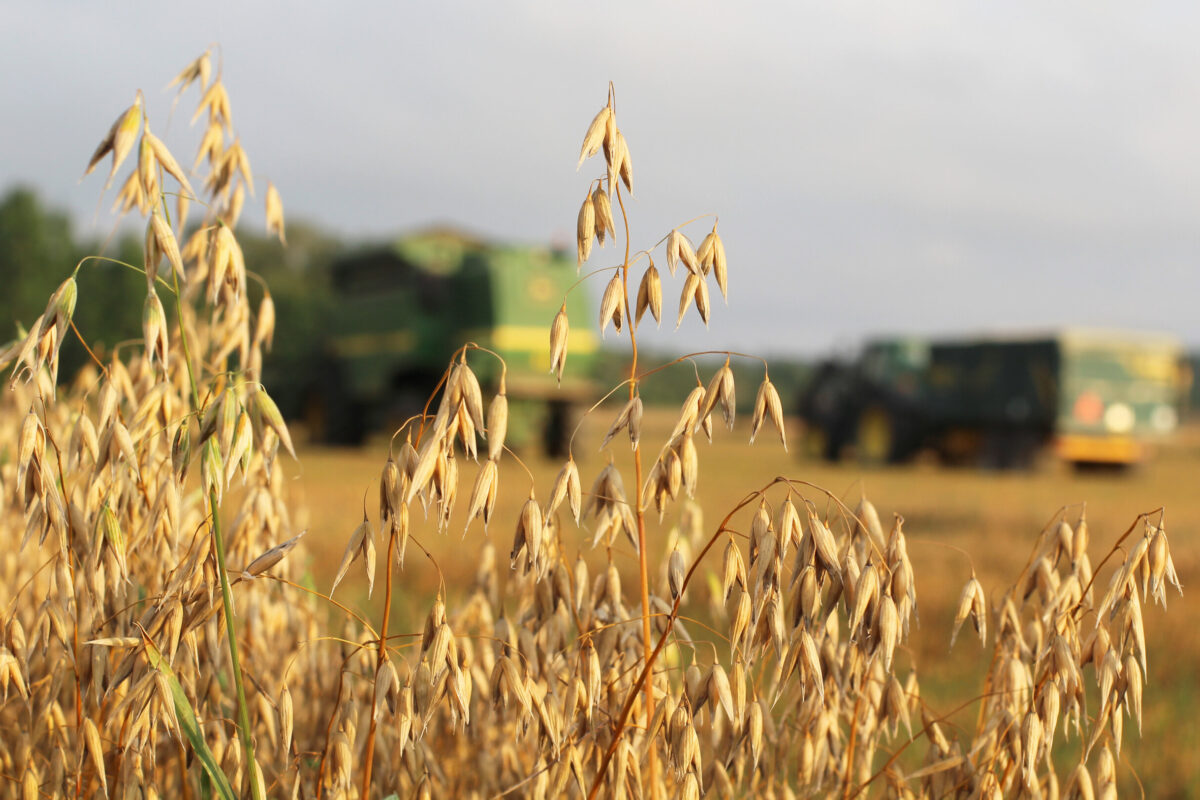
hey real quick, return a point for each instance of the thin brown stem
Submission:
(623, 719)
(83, 342)
(333, 714)
(639, 511)
(1116, 546)
(369, 757)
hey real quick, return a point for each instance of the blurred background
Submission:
(961, 235)
(918, 175)
(924, 169)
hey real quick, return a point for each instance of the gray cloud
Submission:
(924, 167)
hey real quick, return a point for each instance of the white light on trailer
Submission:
(1119, 418)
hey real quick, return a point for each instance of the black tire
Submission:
(556, 433)
(1009, 449)
(1103, 468)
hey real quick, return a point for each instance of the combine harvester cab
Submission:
(1092, 397)
(400, 312)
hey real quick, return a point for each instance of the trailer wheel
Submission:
(1010, 449)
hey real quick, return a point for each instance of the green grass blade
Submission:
(187, 721)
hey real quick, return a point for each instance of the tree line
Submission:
(40, 246)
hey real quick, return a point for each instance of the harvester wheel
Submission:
(819, 444)
(556, 433)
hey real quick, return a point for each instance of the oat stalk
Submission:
(382, 655)
(231, 635)
(222, 569)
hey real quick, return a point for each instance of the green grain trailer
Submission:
(1094, 397)
(398, 313)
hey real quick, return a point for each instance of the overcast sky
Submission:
(920, 167)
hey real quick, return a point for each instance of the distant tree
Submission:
(116, 295)
(298, 277)
(37, 252)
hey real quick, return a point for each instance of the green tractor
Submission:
(398, 313)
(1093, 397)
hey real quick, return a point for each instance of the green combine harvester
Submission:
(1092, 397)
(398, 313)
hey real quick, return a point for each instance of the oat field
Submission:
(994, 517)
(194, 608)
